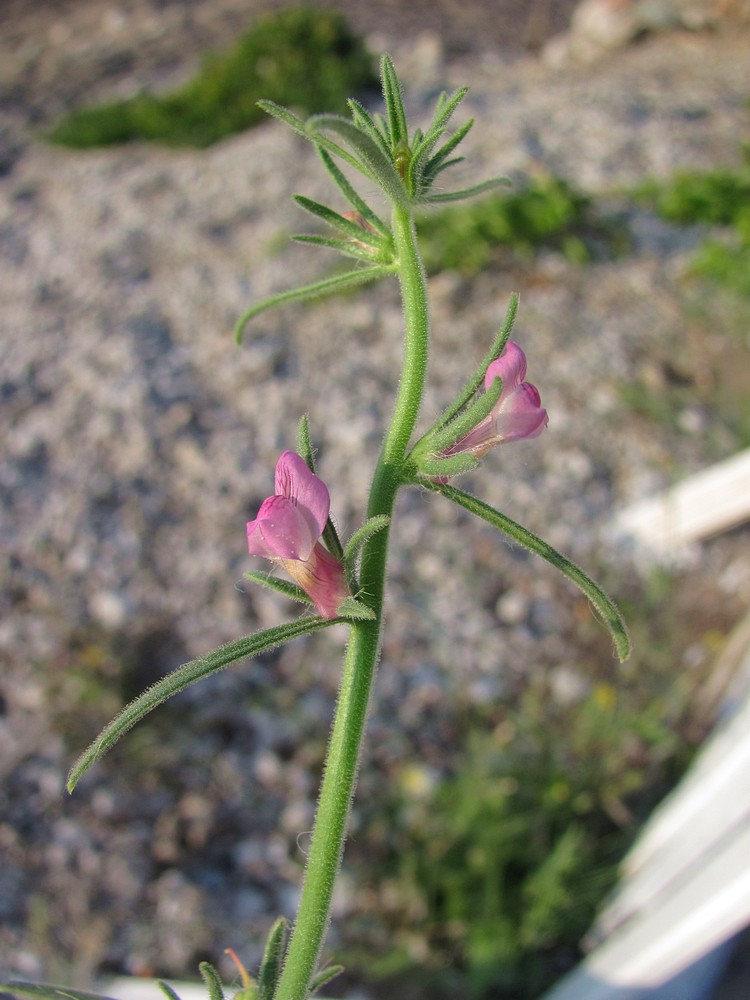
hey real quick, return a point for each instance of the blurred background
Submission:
(510, 761)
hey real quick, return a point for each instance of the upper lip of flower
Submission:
(290, 523)
(518, 412)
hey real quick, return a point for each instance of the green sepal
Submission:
(305, 450)
(605, 608)
(169, 992)
(304, 443)
(183, 677)
(355, 200)
(354, 610)
(273, 957)
(353, 547)
(452, 465)
(285, 587)
(211, 978)
(442, 439)
(45, 991)
(335, 283)
(469, 192)
(496, 349)
(324, 977)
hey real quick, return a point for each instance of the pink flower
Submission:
(287, 531)
(517, 413)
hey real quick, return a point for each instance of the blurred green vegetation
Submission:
(548, 212)
(716, 198)
(486, 879)
(707, 371)
(302, 57)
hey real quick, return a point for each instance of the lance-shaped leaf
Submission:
(394, 104)
(285, 587)
(469, 192)
(362, 118)
(169, 992)
(338, 221)
(355, 200)
(355, 611)
(345, 247)
(273, 957)
(354, 546)
(305, 450)
(371, 160)
(44, 991)
(323, 977)
(184, 676)
(301, 128)
(603, 605)
(317, 289)
(211, 978)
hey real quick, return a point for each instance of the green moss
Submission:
(300, 57)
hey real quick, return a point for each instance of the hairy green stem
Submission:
(342, 762)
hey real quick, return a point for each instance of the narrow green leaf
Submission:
(394, 103)
(363, 120)
(470, 192)
(337, 221)
(358, 203)
(605, 608)
(447, 148)
(371, 160)
(371, 527)
(285, 587)
(446, 105)
(421, 168)
(285, 115)
(301, 128)
(44, 991)
(324, 977)
(354, 610)
(326, 286)
(345, 247)
(184, 676)
(211, 979)
(167, 990)
(432, 173)
(304, 443)
(273, 956)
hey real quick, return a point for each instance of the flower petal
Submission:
(510, 367)
(520, 415)
(297, 483)
(280, 531)
(322, 577)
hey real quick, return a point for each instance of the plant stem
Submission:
(363, 650)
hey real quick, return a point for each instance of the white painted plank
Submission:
(702, 505)
(691, 921)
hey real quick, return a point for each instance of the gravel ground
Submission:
(139, 441)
